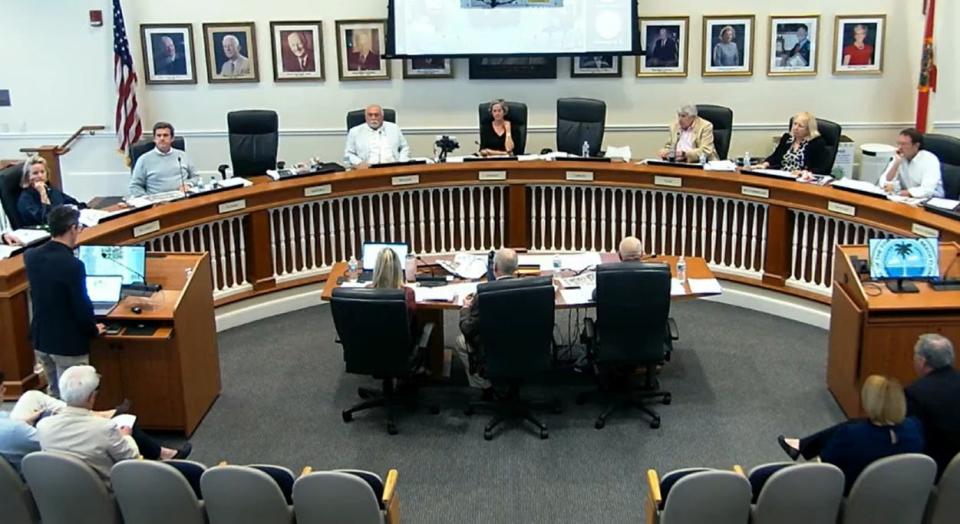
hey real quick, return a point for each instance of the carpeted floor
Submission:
(738, 379)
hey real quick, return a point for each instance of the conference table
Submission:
(276, 235)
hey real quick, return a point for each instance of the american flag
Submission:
(127, 116)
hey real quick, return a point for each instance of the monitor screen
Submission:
(126, 261)
(104, 288)
(371, 250)
(909, 258)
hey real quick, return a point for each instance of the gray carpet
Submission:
(738, 379)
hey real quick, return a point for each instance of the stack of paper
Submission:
(619, 153)
(720, 165)
(859, 185)
(704, 286)
(91, 217)
(30, 236)
(8, 251)
(583, 295)
(676, 288)
(943, 203)
(775, 172)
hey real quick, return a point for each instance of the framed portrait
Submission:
(858, 45)
(359, 46)
(231, 50)
(728, 45)
(428, 67)
(664, 43)
(168, 56)
(596, 65)
(513, 67)
(297, 50)
(794, 45)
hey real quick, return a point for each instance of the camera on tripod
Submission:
(446, 144)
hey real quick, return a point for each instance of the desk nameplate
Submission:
(579, 176)
(758, 192)
(667, 181)
(492, 175)
(146, 229)
(405, 180)
(842, 209)
(924, 231)
(313, 191)
(236, 205)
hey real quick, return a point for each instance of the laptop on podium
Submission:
(104, 293)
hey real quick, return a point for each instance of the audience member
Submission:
(497, 138)
(37, 198)
(375, 141)
(163, 168)
(63, 321)
(934, 398)
(914, 172)
(800, 150)
(690, 137)
(853, 445)
(388, 274)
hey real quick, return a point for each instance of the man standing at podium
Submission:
(63, 321)
(375, 141)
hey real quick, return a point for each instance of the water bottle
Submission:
(681, 269)
(410, 268)
(702, 159)
(556, 262)
(352, 269)
(746, 159)
(585, 150)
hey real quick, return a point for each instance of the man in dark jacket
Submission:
(935, 397)
(63, 321)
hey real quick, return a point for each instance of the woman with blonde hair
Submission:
(853, 445)
(801, 150)
(388, 274)
(37, 198)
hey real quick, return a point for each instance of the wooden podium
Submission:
(873, 331)
(165, 359)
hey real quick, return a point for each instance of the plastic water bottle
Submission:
(702, 159)
(585, 150)
(556, 262)
(682, 269)
(352, 269)
(746, 159)
(410, 267)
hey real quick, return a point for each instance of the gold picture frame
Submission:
(874, 36)
(168, 54)
(654, 62)
(242, 65)
(360, 46)
(720, 58)
(793, 46)
(297, 50)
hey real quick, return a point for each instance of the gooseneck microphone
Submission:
(183, 182)
(138, 289)
(141, 276)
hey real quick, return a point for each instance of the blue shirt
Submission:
(376, 146)
(17, 439)
(855, 445)
(157, 172)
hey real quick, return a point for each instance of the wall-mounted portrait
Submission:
(728, 45)
(513, 67)
(231, 50)
(596, 65)
(794, 45)
(428, 67)
(359, 46)
(664, 44)
(858, 44)
(297, 50)
(168, 56)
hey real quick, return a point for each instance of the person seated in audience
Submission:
(630, 250)
(163, 168)
(468, 342)
(914, 172)
(77, 430)
(497, 138)
(934, 398)
(388, 274)
(37, 198)
(802, 150)
(853, 445)
(375, 141)
(690, 137)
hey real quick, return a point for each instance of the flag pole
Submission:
(928, 69)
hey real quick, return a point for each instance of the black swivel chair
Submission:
(253, 141)
(580, 120)
(137, 150)
(632, 330)
(722, 119)
(947, 149)
(516, 333)
(390, 352)
(10, 192)
(517, 115)
(830, 131)
(357, 117)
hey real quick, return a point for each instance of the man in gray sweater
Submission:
(163, 168)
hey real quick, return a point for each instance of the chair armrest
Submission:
(222, 463)
(738, 469)
(672, 331)
(425, 336)
(653, 496)
(391, 499)
(306, 471)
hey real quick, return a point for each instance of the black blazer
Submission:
(63, 321)
(33, 212)
(934, 400)
(815, 157)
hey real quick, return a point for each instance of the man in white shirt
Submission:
(914, 171)
(375, 141)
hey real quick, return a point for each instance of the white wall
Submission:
(49, 103)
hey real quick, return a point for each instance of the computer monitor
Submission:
(126, 261)
(900, 259)
(371, 250)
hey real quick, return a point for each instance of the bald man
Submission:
(236, 64)
(630, 250)
(167, 60)
(375, 141)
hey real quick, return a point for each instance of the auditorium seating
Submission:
(580, 120)
(137, 150)
(358, 116)
(944, 505)
(947, 149)
(722, 119)
(892, 490)
(67, 490)
(517, 115)
(698, 495)
(254, 136)
(16, 501)
(153, 492)
(790, 493)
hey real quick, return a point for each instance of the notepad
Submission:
(582, 295)
(676, 288)
(704, 286)
(125, 420)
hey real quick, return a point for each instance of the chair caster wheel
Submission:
(468, 412)
(347, 416)
(655, 423)
(544, 434)
(599, 424)
(487, 435)
(667, 399)
(392, 428)
(434, 410)
(363, 394)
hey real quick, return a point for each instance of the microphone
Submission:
(676, 147)
(141, 276)
(182, 181)
(141, 289)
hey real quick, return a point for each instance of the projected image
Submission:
(665, 47)
(489, 4)
(728, 46)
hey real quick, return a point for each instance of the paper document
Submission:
(859, 185)
(704, 286)
(913, 201)
(943, 203)
(583, 295)
(676, 288)
(620, 153)
(7, 251)
(435, 294)
(124, 421)
(355, 283)
(583, 280)
(720, 165)
(30, 236)
(574, 262)
(91, 217)
(237, 181)
(530, 158)
(775, 172)
(470, 266)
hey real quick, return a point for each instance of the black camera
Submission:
(446, 144)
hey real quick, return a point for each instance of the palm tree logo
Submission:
(903, 250)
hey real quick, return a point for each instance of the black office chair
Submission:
(580, 120)
(10, 192)
(517, 115)
(947, 149)
(722, 119)
(830, 131)
(516, 334)
(253, 141)
(137, 150)
(632, 330)
(357, 117)
(390, 352)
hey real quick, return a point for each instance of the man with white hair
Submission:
(934, 398)
(375, 141)
(630, 250)
(79, 431)
(236, 64)
(690, 136)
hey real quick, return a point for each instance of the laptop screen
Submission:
(371, 250)
(104, 288)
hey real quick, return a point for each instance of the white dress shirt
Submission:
(920, 176)
(376, 146)
(91, 438)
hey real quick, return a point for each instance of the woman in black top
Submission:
(802, 149)
(37, 198)
(497, 138)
